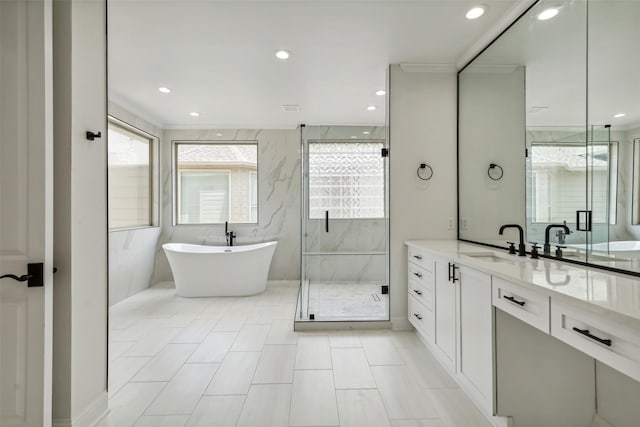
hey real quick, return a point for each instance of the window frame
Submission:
(154, 211)
(176, 199)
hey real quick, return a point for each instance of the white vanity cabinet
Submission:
(446, 279)
(454, 316)
(475, 344)
(420, 286)
(527, 351)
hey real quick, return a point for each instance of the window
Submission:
(216, 182)
(559, 181)
(346, 179)
(130, 171)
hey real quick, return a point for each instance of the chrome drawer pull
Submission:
(418, 275)
(417, 256)
(417, 291)
(586, 333)
(418, 316)
(513, 300)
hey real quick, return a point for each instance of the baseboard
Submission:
(401, 324)
(89, 417)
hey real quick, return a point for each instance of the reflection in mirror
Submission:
(532, 75)
(529, 90)
(635, 198)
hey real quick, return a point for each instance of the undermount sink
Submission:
(490, 257)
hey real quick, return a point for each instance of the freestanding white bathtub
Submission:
(214, 271)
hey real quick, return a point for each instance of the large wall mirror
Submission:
(547, 118)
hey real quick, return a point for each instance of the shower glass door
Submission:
(344, 268)
(601, 159)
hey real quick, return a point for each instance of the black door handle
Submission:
(450, 265)
(34, 276)
(326, 221)
(417, 292)
(453, 273)
(22, 278)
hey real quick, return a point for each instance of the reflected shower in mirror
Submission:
(556, 103)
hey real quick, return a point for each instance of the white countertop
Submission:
(601, 291)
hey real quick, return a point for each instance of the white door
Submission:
(26, 211)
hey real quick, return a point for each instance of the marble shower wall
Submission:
(132, 252)
(278, 200)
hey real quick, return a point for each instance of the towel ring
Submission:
(494, 166)
(424, 166)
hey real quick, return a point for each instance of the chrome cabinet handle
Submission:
(418, 316)
(417, 291)
(418, 275)
(417, 256)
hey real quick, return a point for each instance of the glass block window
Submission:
(130, 176)
(216, 182)
(346, 179)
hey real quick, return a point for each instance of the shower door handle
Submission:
(326, 221)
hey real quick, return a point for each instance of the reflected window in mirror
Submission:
(560, 173)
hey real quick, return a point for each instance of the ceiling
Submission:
(218, 57)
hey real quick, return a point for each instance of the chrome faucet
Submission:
(230, 235)
(563, 229)
(521, 247)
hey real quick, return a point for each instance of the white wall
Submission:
(132, 253)
(278, 199)
(422, 126)
(80, 211)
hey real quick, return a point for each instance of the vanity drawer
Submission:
(609, 340)
(422, 292)
(420, 275)
(421, 318)
(526, 305)
(420, 257)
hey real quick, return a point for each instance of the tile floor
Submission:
(237, 362)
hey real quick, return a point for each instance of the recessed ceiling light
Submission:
(371, 107)
(194, 114)
(218, 134)
(476, 12)
(283, 54)
(366, 133)
(381, 92)
(617, 116)
(548, 13)
(164, 89)
(354, 137)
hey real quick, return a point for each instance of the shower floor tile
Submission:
(348, 301)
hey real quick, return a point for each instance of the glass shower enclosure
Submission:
(344, 224)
